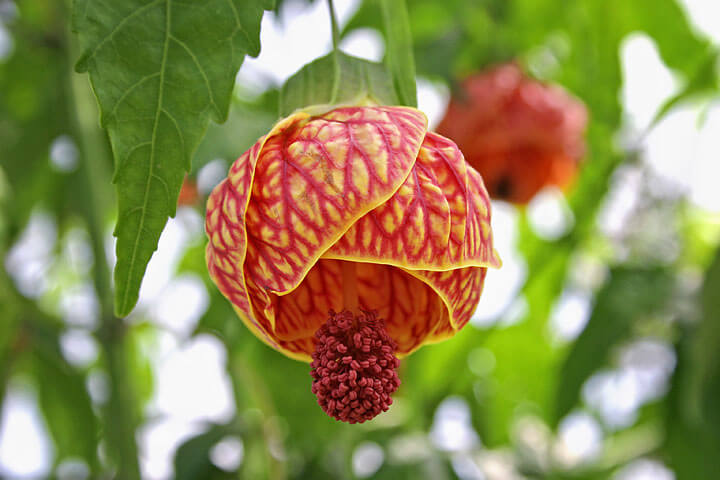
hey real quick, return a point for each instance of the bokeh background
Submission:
(593, 353)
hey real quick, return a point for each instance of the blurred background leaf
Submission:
(628, 295)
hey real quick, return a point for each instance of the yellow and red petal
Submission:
(418, 306)
(316, 177)
(226, 250)
(410, 306)
(459, 290)
(310, 178)
(225, 226)
(439, 218)
(361, 184)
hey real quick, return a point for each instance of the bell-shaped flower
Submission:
(359, 211)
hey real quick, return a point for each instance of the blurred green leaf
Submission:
(629, 295)
(705, 377)
(34, 111)
(219, 319)
(10, 333)
(63, 399)
(703, 83)
(692, 402)
(138, 342)
(399, 50)
(603, 475)
(426, 382)
(5, 207)
(349, 81)
(681, 46)
(192, 458)
(246, 123)
(695, 458)
(161, 70)
(709, 345)
(12, 336)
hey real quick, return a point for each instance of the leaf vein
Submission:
(239, 26)
(129, 90)
(164, 184)
(119, 26)
(176, 124)
(199, 68)
(146, 196)
(136, 147)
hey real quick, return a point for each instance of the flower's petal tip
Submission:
(289, 120)
(419, 113)
(496, 261)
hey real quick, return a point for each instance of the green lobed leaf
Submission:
(399, 52)
(161, 69)
(349, 81)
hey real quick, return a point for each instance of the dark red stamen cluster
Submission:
(353, 366)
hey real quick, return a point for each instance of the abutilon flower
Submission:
(350, 239)
(520, 134)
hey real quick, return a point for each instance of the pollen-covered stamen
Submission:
(353, 366)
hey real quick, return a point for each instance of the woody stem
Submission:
(349, 287)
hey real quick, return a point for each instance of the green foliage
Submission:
(248, 120)
(65, 403)
(34, 110)
(629, 295)
(160, 73)
(692, 402)
(399, 57)
(703, 83)
(192, 459)
(708, 337)
(337, 79)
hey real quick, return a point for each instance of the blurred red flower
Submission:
(189, 194)
(518, 133)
